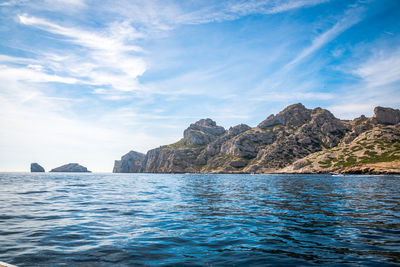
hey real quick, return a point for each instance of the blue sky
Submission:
(87, 81)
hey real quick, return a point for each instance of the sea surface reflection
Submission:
(55, 219)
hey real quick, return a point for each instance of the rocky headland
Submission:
(35, 167)
(130, 162)
(296, 140)
(70, 167)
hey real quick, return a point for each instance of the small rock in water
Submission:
(36, 168)
(70, 167)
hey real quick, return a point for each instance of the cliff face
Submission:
(281, 143)
(183, 155)
(130, 162)
(374, 151)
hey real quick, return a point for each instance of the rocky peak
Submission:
(292, 115)
(321, 116)
(206, 123)
(202, 132)
(386, 115)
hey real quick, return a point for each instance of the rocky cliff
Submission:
(70, 167)
(285, 142)
(130, 162)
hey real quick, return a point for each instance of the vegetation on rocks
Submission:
(296, 140)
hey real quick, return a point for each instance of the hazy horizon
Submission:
(87, 81)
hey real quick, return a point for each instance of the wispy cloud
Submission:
(381, 69)
(33, 74)
(271, 7)
(231, 10)
(351, 17)
(111, 60)
(378, 85)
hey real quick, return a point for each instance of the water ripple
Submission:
(55, 219)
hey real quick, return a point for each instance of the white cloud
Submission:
(271, 7)
(38, 128)
(294, 96)
(381, 69)
(378, 86)
(160, 15)
(32, 74)
(110, 60)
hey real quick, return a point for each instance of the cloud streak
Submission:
(380, 70)
(111, 60)
(350, 18)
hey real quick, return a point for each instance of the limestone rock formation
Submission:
(35, 167)
(374, 151)
(70, 167)
(293, 115)
(202, 132)
(129, 163)
(285, 142)
(386, 116)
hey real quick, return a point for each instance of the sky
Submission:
(89, 80)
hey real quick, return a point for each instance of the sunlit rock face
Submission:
(386, 116)
(292, 115)
(202, 132)
(129, 163)
(277, 142)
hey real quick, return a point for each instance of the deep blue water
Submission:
(212, 220)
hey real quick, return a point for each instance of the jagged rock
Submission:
(386, 116)
(356, 127)
(214, 147)
(36, 168)
(374, 151)
(70, 167)
(293, 115)
(247, 145)
(129, 163)
(285, 140)
(163, 160)
(202, 132)
(291, 143)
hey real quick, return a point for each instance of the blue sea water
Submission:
(56, 219)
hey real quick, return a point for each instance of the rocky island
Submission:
(70, 167)
(296, 140)
(35, 167)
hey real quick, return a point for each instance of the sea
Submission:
(94, 219)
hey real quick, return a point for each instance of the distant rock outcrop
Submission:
(35, 167)
(129, 163)
(285, 142)
(70, 167)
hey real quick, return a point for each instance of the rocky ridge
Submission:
(285, 142)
